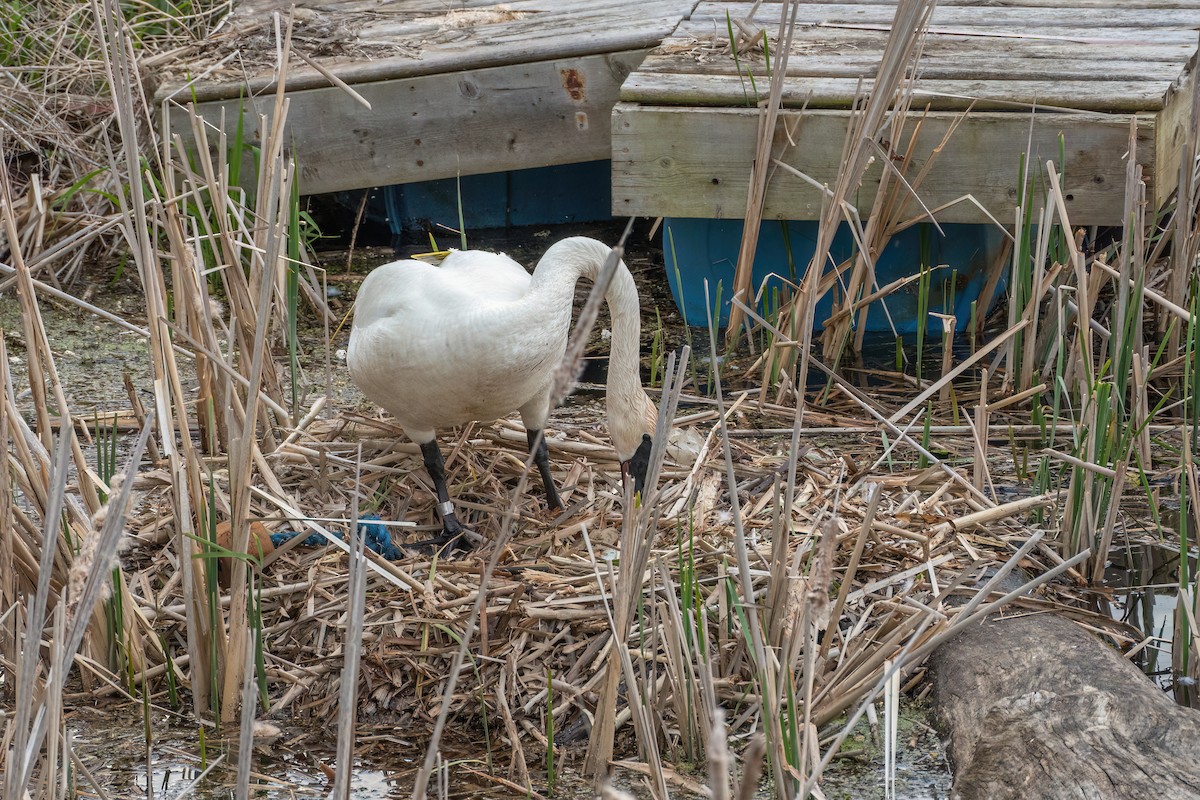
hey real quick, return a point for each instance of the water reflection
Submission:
(1144, 577)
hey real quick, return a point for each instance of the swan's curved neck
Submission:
(571, 259)
(579, 257)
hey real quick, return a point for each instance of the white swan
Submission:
(478, 337)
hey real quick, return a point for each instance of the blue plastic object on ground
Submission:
(378, 538)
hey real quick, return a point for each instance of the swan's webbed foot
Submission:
(453, 539)
(445, 545)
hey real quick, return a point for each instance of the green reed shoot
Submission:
(923, 284)
(737, 64)
(212, 592)
(691, 593)
(237, 147)
(1191, 370)
(714, 364)
(483, 709)
(254, 611)
(462, 225)
(147, 735)
(887, 449)
(1020, 457)
(551, 774)
(292, 291)
(793, 719)
(1021, 281)
(1191, 421)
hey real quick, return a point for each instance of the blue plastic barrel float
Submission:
(696, 250)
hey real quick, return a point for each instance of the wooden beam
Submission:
(1149, 5)
(368, 42)
(1174, 124)
(695, 162)
(653, 88)
(843, 53)
(1016, 18)
(438, 126)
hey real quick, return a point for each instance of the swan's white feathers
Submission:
(479, 337)
(436, 346)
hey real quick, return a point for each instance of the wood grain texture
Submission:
(363, 42)
(1015, 18)
(1107, 57)
(1037, 707)
(673, 88)
(834, 52)
(439, 126)
(1174, 123)
(1149, 5)
(692, 162)
(1021, 53)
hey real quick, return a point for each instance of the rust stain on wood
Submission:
(572, 81)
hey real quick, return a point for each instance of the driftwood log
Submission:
(1036, 707)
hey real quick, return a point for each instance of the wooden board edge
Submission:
(651, 185)
(302, 78)
(547, 121)
(1174, 124)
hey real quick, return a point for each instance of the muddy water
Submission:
(1144, 576)
(90, 353)
(110, 743)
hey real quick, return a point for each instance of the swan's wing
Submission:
(463, 281)
(444, 345)
(487, 277)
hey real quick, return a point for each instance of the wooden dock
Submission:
(685, 130)
(455, 88)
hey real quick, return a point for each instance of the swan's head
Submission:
(632, 419)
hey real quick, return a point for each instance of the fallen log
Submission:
(1036, 707)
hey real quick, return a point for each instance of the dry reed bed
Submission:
(57, 126)
(546, 614)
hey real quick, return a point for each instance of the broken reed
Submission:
(55, 142)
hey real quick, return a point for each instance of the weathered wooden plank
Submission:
(530, 20)
(991, 64)
(415, 45)
(1017, 18)
(1174, 123)
(730, 90)
(1149, 5)
(406, 7)
(694, 162)
(1063, 31)
(700, 41)
(439, 126)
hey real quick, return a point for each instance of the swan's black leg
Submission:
(452, 537)
(541, 457)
